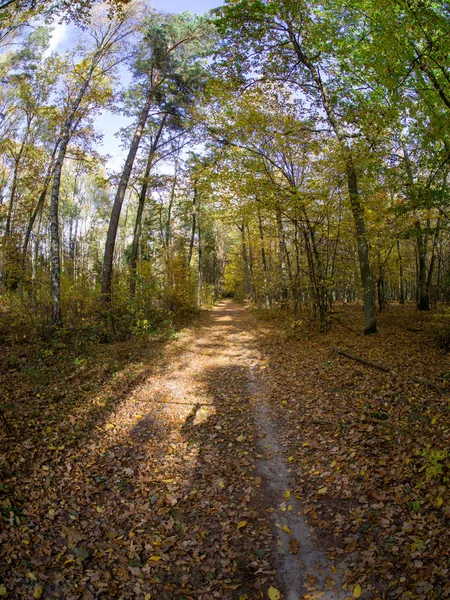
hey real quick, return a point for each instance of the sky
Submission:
(193, 6)
(107, 123)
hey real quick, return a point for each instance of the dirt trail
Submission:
(226, 341)
(176, 488)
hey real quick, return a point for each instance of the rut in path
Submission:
(224, 343)
(178, 488)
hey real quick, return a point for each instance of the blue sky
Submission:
(194, 6)
(107, 123)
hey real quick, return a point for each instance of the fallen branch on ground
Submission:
(375, 365)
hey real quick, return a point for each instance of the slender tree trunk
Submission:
(253, 288)
(402, 281)
(199, 265)
(282, 251)
(264, 263)
(67, 132)
(41, 200)
(193, 230)
(140, 210)
(169, 211)
(423, 300)
(431, 297)
(370, 325)
(118, 201)
(245, 261)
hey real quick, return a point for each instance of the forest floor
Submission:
(231, 462)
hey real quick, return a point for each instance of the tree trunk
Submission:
(41, 200)
(140, 210)
(264, 263)
(402, 281)
(169, 211)
(118, 201)
(67, 132)
(370, 325)
(432, 297)
(245, 261)
(199, 265)
(423, 299)
(193, 230)
(282, 251)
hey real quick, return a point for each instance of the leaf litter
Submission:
(135, 472)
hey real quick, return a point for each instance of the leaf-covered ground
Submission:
(143, 469)
(370, 449)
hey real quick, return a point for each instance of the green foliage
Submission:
(436, 464)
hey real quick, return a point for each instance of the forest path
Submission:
(156, 469)
(219, 361)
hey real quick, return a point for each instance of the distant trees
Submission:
(307, 164)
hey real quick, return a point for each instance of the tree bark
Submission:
(199, 264)
(402, 281)
(66, 134)
(245, 261)
(264, 263)
(140, 210)
(282, 251)
(118, 201)
(370, 325)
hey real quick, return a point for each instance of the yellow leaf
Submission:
(287, 495)
(290, 459)
(3, 591)
(273, 593)
(357, 591)
(240, 438)
(241, 524)
(147, 597)
(38, 592)
(221, 483)
(99, 509)
(32, 576)
(433, 420)
(286, 529)
(155, 558)
(138, 416)
(322, 491)
(439, 501)
(45, 468)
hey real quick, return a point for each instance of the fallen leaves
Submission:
(273, 593)
(370, 461)
(169, 504)
(294, 546)
(130, 496)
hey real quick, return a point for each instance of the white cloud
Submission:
(59, 35)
